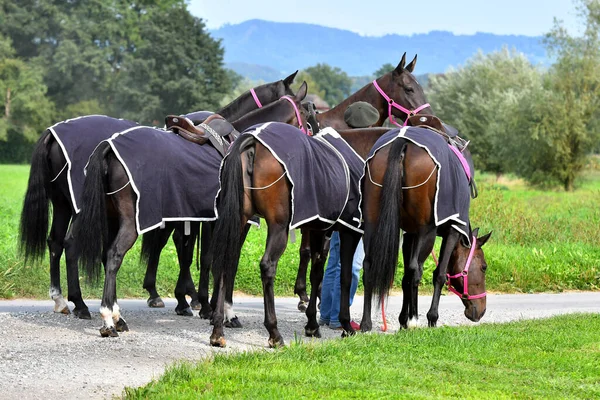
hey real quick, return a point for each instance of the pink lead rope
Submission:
(256, 100)
(298, 116)
(392, 103)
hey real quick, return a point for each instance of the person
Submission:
(357, 115)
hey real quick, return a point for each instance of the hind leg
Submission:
(185, 253)
(72, 256)
(300, 285)
(205, 264)
(348, 243)
(160, 238)
(61, 216)
(318, 257)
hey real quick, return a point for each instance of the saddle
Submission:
(215, 129)
(435, 124)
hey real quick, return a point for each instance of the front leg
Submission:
(318, 256)
(348, 243)
(439, 276)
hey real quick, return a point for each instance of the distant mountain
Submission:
(261, 48)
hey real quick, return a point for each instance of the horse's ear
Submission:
(411, 67)
(400, 66)
(302, 91)
(290, 79)
(482, 240)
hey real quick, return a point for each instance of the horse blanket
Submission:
(174, 179)
(78, 138)
(453, 196)
(324, 172)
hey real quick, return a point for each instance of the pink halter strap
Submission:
(465, 274)
(298, 116)
(392, 103)
(256, 100)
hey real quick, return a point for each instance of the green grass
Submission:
(556, 358)
(542, 241)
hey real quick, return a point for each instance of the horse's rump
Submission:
(77, 139)
(174, 180)
(452, 198)
(323, 170)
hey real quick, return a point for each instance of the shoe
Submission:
(355, 326)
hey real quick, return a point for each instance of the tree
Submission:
(335, 82)
(313, 86)
(384, 69)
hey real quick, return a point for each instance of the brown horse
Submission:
(252, 183)
(109, 205)
(399, 193)
(402, 90)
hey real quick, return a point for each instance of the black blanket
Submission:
(175, 180)
(78, 138)
(324, 172)
(453, 196)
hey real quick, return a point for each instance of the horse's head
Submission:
(277, 89)
(467, 265)
(403, 94)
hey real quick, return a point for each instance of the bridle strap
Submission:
(465, 275)
(256, 100)
(298, 116)
(392, 103)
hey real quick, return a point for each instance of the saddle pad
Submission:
(452, 197)
(317, 170)
(174, 179)
(78, 138)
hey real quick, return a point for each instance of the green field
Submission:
(544, 359)
(542, 241)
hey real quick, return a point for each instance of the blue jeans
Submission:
(331, 287)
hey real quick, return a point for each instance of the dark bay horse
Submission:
(400, 193)
(396, 93)
(252, 183)
(55, 178)
(107, 225)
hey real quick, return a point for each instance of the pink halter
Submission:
(256, 100)
(298, 116)
(465, 274)
(392, 103)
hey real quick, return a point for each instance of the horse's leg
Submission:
(61, 216)
(415, 252)
(191, 288)
(366, 324)
(407, 255)
(318, 257)
(439, 276)
(185, 253)
(205, 263)
(305, 255)
(348, 242)
(160, 237)
(231, 320)
(72, 255)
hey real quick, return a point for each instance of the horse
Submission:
(56, 178)
(402, 98)
(252, 182)
(403, 182)
(110, 202)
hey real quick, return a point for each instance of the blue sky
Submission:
(376, 18)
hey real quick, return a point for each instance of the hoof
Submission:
(186, 312)
(155, 303)
(275, 343)
(121, 325)
(218, 342)
(65, 310)
(108, 332)
(82, 313)
(312, 332)
(233, 323)
(302, 306)
(349, 333)
(195, 304)
(365, 328)
(205, 312)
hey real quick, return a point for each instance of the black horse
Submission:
(110, 202)
(56, 178)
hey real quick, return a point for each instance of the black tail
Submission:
(227, 237)
(33, 230)
(91, 226)
(151, 245)
(384, 246)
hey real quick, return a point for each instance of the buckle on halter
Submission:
(465, 296)
(391, 102)
(465, 273)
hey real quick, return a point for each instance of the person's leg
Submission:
(357, 263)
(334, 322)
(329, 279)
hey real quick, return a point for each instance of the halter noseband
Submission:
(256, 100)
(298, 116)
(465, 274)
(392, 103)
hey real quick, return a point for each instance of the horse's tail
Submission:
(92, 220)
(227, 238)
(33, 230)
(385, 245)
(151, 245)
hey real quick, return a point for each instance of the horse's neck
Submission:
(335, 117)
(238, 108)
(273, 112)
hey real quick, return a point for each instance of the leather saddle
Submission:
(432, 122)
(214, 129)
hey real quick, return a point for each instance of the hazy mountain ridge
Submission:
(286, 47)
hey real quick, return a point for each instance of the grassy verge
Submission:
(530, 359)
(542, 241)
